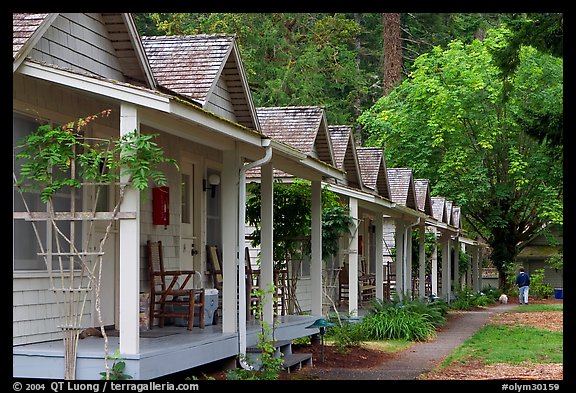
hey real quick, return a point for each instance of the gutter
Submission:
(241, 261)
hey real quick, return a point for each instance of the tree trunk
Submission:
(392, 72)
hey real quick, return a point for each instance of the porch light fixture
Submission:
(214, 181)
(321, 324)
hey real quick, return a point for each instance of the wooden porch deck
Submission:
(163, 351)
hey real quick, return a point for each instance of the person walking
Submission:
(523, 282)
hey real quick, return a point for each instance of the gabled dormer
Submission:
(102, 44)
(345, 155)
(456, 223)
(206, 68)
(374, 171)
(448, 213)
(302, 127)
(422, 187)
(439, 209)
(402, 188)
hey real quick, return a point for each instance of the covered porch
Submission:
(163, 351)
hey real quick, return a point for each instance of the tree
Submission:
(449, 123)
(392, 51)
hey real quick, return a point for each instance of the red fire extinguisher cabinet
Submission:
(161, 205)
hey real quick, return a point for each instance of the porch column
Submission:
(353, 260)
(434, 257)
(399, 245)
(230, 252)
(446, 263)
(408, 261)
(468, 280)
(379, 250)
(421, 262)
(316, 240)
(476, 276)
(129, 252)
(456, 265)
(266, 235)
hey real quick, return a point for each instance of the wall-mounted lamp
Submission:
(214, 181)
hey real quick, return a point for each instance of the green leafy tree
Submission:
(450, 123)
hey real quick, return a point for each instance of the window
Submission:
(25, 240)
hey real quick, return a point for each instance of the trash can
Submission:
(558, 293)
(210, 307)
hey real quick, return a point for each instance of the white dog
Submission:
(503, 299)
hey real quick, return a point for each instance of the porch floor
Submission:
(164, 351)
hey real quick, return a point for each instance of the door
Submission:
(188, 243)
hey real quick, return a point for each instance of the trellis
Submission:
(75, 273)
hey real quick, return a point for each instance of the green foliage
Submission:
(538, 288)
(292, 219)
(269, 365)
(410, 320)
(116, 372)
(48, 153)
(449, 122)
(467, 299)
(345, 334)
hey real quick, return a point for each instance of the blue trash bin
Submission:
(558, 293)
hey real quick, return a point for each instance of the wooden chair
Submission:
(252, 284)
(343, 287)
(214, 267)
(171, 291)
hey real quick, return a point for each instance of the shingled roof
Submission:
(439, 208)
(402, 190)
(422, 187)
(302, 127)
(373, 170)
(23, 28)
(196, 65)
(345, 154)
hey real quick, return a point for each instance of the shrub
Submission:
(398, 323)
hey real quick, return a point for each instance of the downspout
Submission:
(408, 264)
(241, 262)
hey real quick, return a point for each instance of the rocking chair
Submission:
(171, 292)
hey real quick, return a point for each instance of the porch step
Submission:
(283, 348)
(295, 361)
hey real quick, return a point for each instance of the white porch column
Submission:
(379, 250)
(129, 252)
(446, 263)
(353, 260)
(456, 265)
(422, 261)
(476, 275)
(408, 262)
(434, 272)
(230, 214)
(468, 279)
(399, 245)
(316, 239)
(267, 237)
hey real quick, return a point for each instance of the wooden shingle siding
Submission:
(439, 209)
(36, 311)
(422, 187)
(345, 154)
(220, 102)
(79, 42)
(23, 26)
